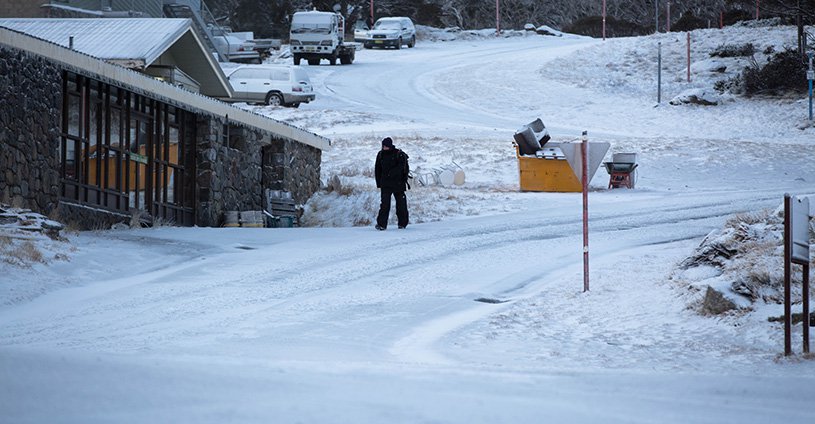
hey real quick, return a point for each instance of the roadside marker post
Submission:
(659, 72)
(810, 77)
(584, 150)
(688, 56)
(796, 250)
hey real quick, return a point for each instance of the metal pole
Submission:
(584, 150)
(659, 73)
(688, 56)
(787, 270)
(497, 17)
(372, 14)
(604, 20)
(656, 16)
(806, 307)
(810, 77)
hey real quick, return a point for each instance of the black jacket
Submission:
(391, 169)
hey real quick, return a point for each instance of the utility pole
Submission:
(656, 16)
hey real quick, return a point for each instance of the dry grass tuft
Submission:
(25, 254)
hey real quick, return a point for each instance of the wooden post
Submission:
(688, 56)
(787, 271)
(806, 308)
(584, 150)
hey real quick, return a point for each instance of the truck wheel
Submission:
(297, 59)
(412, 42)
(399, 44)
(313, 62)
(346, 59)
(274, 99)
(332, 60)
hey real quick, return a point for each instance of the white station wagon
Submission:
(274, 85)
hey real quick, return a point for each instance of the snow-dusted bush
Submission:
(785, 72)
(743, 263)
(733, 50)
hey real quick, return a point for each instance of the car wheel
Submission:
(399, 44)
(313, 62)
(274, 99)
(297, 59)
(366, 46)
(412, 42)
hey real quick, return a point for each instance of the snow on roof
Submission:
(142, 39)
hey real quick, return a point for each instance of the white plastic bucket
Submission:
(252, 219)
(624, 158)
(231, 219)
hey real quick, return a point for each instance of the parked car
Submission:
(361, 31)
(391, 32)
(275, 85)
(235, 49)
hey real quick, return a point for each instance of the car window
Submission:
(301, 75)
(259, 74)
(387, 25)
(241, 73)
(280, 74)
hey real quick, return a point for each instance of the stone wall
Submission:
(293, 167)
(229, 176)
(29, 131)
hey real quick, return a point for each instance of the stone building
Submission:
(98, 143)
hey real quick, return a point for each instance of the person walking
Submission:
(391, 172)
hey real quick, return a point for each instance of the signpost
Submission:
(810, 77)
(585, 180)
(796, 250)
(659, 73)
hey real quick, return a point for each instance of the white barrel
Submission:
(231, 219)
(458, 177)
(252, 219)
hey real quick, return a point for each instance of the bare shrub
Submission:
(784, 73)
(25, 254)
(163, 222)
(733, 50)
(135, 218)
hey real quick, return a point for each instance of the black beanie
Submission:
(387, 142)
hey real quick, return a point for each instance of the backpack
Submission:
(403, 157)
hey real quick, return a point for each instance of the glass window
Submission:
(74, 107)
(280, 74)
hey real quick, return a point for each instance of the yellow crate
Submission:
(539, 174)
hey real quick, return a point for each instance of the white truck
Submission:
(320, 35)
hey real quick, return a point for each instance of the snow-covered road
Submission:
(318, 325)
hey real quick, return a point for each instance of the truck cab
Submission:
(320, 35)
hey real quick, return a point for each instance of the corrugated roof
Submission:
(119, 39)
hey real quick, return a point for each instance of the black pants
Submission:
(385, 207)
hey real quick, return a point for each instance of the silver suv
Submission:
(391, 32)
(275, 85)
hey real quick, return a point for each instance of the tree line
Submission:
(270, 18)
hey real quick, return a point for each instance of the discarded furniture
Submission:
(622, 170)
(281, 209)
